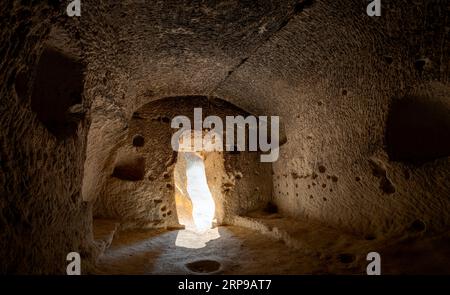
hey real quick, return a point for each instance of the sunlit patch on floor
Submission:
(194, 240)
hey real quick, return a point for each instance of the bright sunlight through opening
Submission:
(198, 227)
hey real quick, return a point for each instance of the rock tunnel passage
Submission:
(87, 166)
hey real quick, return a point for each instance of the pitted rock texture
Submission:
(42, 215)
(240, 181)
(329, 71)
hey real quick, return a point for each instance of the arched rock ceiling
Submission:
(145, 50)
(141, 51)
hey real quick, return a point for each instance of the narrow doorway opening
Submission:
(193, 198)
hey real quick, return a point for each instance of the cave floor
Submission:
(239, 251)
(260, 246)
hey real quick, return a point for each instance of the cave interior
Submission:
(87, 166)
